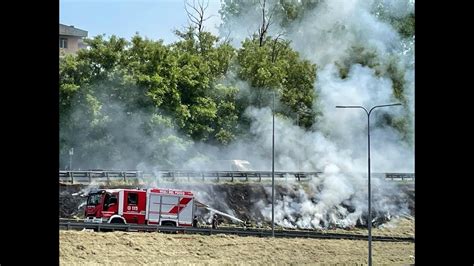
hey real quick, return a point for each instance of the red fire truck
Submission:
(161, 206)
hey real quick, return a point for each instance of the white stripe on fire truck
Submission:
(120, 208)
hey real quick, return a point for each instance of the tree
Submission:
(202, 62)
(262, 31)
(285, 73)
(196, 15)
(403, 21)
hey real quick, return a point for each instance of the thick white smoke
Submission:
(338, 197)
(335, 26)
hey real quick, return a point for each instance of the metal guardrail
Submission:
(241, 232)
(81, 177)
(100, 174)
(218, 175)
(104, 176)
(400, 176)
(86, 177)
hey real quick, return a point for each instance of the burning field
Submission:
(84, 247)
(297, 205)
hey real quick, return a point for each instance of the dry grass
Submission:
(404, 227)
(83, 247)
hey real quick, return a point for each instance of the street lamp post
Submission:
(273, 167)
(369, 219)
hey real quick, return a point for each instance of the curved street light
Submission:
(369, 219)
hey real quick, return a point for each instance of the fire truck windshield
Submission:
(94, 199)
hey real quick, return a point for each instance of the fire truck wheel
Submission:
(168, 223)
(117, 221)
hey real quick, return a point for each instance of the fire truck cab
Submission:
(169, 207)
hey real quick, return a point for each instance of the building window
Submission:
(63, 43)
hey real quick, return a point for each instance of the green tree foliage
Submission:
(141, 95)
(403, 24)
(202, 63)
(275, 66)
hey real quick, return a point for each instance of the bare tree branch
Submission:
(196, 14)
(275, 51)
(262, 31)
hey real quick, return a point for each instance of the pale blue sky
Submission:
(155, 19)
